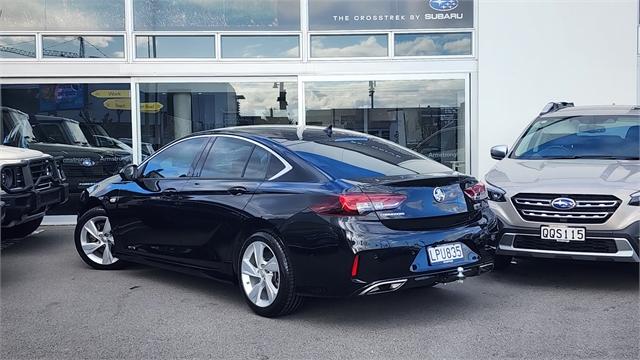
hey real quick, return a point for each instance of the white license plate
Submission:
(445, 253)
(562, 233)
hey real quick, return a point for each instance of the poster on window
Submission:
(389, 14)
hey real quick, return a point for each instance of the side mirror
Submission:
(129, 172)
(499, 152)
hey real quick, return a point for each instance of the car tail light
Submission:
(476, 192)
(354, 266)
(359, 204)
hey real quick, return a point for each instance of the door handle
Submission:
(237, 190)
(171, 192)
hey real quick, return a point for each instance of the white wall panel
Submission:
(535, 51)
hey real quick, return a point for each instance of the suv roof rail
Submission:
(555, 106)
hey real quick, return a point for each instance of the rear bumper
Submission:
(422, 280)
(623, 246)
(385, 255)
(25, 206)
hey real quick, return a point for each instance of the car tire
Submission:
(22, 230)
(268, 271)
(94, 241)
(501, 262)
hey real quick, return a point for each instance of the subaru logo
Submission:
(563, 203)
(443, 5)
(88, 162)
(439, 195)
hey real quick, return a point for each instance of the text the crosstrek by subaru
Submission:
(288, 212)
(570, 188)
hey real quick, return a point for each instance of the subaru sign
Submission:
(443, 5)
(563, 203)
(390, 14)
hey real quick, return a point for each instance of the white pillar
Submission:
(182, 125)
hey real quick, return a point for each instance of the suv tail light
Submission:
(476, 192)
(359, 204)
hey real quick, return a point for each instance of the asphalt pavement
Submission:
(54, 306)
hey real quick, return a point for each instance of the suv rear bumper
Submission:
(21, 207)
(626, 244)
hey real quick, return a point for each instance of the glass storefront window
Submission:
(83, 46)
(424, 115)
(340, 46)
(213, 15)
(244, 47)
(175, 47)
(87, 124)
(439, 44)
(16, 47)
(62, 15)
(173, 110)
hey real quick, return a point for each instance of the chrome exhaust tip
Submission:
(383, 287)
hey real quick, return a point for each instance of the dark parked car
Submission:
(288, 213)
(83, 164)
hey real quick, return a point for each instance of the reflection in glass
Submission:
(76, 121)
(335, 46)
(174, 47)
(424, 115)
(17, 47)
(83, 46)
(433, 44)
(62, 15)
(242, 47)
(173, 110)
(254, 15)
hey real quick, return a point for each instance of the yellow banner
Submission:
(118, 104)
(111, 93)
(125, 104)
(152, 107)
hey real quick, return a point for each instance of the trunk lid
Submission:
(432, 201)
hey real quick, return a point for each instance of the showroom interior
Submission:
(107, 83)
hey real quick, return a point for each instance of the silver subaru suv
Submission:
(570, 187)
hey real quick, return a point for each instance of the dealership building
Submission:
(108, 82)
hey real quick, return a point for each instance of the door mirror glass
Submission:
(499, 152)
(129, 172)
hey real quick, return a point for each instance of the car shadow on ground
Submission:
(592, 275)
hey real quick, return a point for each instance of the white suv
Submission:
(570, 187)
(32, 183)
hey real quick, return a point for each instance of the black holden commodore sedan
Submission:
(289, 212)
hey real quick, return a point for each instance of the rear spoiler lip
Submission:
(439, 179)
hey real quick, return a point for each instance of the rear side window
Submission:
(176, 160)
(227, 158)
(258, 164)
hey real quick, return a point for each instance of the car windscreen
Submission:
(581, 137)
(76, 133)
(16, 130)
(353, 156)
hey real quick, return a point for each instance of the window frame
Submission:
(134, 40)
(198, 171)
(22, 33)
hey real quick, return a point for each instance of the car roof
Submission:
(288, 132)
(595, 110)
(47, 118)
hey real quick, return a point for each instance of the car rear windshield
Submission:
(351, 155)
(581, 137)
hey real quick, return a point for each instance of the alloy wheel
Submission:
(97, 241)
(260, 273)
